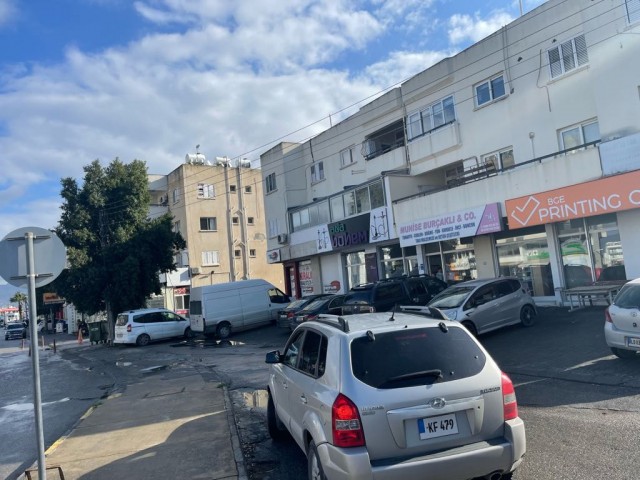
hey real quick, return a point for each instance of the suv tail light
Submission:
(345, 423)
(308, 318)
(129, 327)
(607, 316)
(510, 405)
(290, 314)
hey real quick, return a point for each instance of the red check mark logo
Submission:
(523, 214)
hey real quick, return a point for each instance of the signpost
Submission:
(33, 257)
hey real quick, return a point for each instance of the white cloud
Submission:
(8, 11)
(463, 28)
(401, 66)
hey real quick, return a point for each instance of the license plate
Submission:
(433, 427)
(633, 342)
(119, 335)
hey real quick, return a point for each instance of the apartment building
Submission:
(518, 156)
(218, 207)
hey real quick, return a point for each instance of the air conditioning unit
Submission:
(283, 238)
(195, 270)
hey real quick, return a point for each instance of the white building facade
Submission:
(518, 156)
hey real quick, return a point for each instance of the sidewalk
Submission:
(155, 429)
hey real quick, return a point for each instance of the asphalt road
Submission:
(581, 405)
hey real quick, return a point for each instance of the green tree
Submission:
(114, 251)
(21, 299)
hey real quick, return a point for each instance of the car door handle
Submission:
(303, 398)
(284, 385)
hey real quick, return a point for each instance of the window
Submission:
(252, 252)
(210, 258)
(176, 226)
(306, 217)
(499, 160)
(206, 190)
(568, 56)
(270, 182)
(208, 224)
(490, 90)
(633, 10)
(434, 116)
(250, 221)
(176, 195)
(273, 227)
(347, 157)
(248, 189)
(237, 253)
(234, 220)
(579, 135)
(317, 172)
(232, 188)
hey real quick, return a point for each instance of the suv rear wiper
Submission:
(434, 373)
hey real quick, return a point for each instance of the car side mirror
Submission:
(273, 357)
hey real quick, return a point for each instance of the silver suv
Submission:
(388, 396)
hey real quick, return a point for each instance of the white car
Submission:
(622, 325)
(145, 325)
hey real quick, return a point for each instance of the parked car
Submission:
(394, 395)
(149, 324)
(286, 314)
(15, 331)
(222, 308)
(386, 294)
(622, 321)
(331, 304)
(484, 305)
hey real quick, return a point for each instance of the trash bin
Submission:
(97, 332)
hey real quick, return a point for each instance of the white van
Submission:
(225, 307)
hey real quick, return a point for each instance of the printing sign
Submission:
(610, 194)
(463, 223)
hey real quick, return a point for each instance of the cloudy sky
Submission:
(150, 79)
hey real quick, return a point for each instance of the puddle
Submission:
(256, 398)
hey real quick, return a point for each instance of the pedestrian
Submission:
(439, 274)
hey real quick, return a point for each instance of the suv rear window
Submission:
(122, 319)
(407, 358)
(629, 296)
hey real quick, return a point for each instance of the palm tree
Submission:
(21, 299)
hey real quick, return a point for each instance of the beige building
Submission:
(218, 207)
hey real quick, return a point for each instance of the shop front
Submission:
(592, 224)
(446, 242)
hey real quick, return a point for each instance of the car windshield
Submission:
(319, 303)
(14, 327)
(297, 303)
(406, 358)
(358, 296)
(629, 296)
(451, 297)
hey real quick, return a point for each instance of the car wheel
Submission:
(223, 331)
(188, 333)
(143, 340)
(314, 467)
(621, 353)
(507, 476)
(471, 327)
(527, 315)
(275, 426)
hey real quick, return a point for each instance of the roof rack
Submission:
(333, 321)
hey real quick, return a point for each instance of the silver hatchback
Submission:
(622, 325)
(484, 305)
(385, 396)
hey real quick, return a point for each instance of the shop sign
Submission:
(346, 233)
(333, 287)
(306, 278)
(273, 256)
(463, 223)
(49, 298)
(611, 194)
(181, 291)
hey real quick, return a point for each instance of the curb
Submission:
(235, 438)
